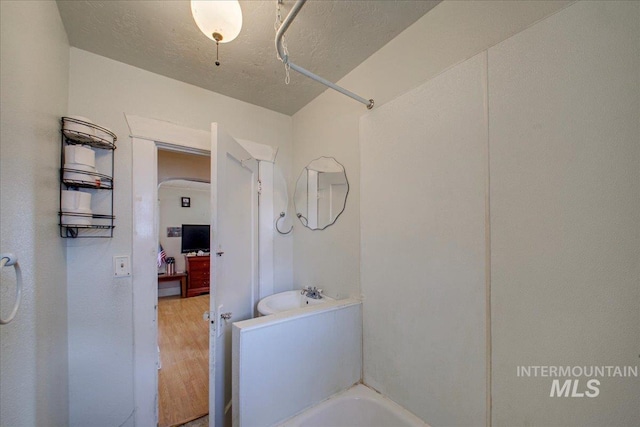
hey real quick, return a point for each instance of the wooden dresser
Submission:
(197, 275)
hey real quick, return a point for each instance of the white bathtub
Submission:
(357, 407)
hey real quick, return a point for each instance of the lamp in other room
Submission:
(220, 20)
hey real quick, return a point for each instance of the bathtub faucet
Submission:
(312, 292)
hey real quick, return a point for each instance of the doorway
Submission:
(183, 336)
(148, 137)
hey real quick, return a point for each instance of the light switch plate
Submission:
(121, 266)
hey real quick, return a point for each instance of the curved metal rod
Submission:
(285, 58)
(278, 228)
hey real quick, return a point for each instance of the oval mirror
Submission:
(321, 193)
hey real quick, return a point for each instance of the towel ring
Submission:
(282, 214)
(11, 260)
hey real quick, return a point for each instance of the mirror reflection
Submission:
(321, 193)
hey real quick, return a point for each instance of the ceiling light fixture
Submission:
(220, 20)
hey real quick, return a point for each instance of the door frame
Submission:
(147, 135)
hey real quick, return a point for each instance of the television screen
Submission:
(195, 237)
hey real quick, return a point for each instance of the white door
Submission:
(234, 259)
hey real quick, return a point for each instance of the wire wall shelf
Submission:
(78, 131)
(76, 223)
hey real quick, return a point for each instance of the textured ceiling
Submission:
(329, 38)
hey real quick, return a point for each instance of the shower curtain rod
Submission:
(285, 58)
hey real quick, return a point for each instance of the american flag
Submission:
(162, 256)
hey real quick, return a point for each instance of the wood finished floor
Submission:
(183, 380)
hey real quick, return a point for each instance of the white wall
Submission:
(172, 214)
(100, 307)
(568, 91)
(564, 113)
(424, 246)
(34, 84)
(328, 126)
(287, 362)
(447, 35)
(562, 109)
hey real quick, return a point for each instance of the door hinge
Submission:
(259, 187)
